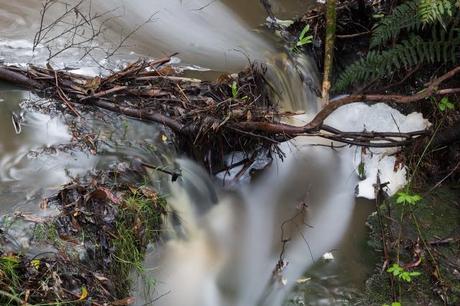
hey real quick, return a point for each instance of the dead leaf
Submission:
(84, 294)
(100, 277)
(166, 70)
(102, 194)
(27, 295)
(249, 116)
(149, 193)
(127, 301)
(92, 84)
(44, 204)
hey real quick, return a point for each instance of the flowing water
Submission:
(227, 250)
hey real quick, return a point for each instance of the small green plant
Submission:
(402, 274)
(47, 233)
(393, 304)
(401, 40)
(303, 38)
(8, 270)
(445, 104)
(234, 88)
(136, 225)
(406, 198)
(362, 170)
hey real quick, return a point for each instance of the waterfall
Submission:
(248, 246)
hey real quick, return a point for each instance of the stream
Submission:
(231, 244)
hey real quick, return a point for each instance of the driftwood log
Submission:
(209, 119)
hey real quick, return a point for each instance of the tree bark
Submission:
(329, 48)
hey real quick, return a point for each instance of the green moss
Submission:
(437, 214)
(137, 224)
(47, 232)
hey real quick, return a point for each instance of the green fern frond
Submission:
(408, 53)
(404, 16)
(411, 15)
(431, 11)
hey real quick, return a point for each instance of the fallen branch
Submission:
(432, 89)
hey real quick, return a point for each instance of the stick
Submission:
(329, 48)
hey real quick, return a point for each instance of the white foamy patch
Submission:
(358, 117)
(380, 117)
(328, 256)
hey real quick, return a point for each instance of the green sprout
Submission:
(304, 39)
(362, 170)
(393, 304)
(406, 198)
(402, 274)
(445, 104)
(234, 88)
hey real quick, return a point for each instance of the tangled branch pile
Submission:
(210, 119)
(202, 114)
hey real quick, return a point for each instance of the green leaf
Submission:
(396, 304)
(445, 104)
(405, 276)
(362, 170)
(83, 294)
(35, 263)
(395, 269)
(406, 53)
(234, 87)
(407, 198)
(401, 198)
(303, 40)
(304, 31)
